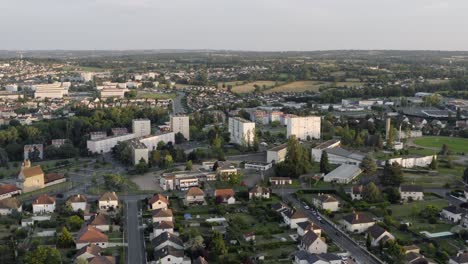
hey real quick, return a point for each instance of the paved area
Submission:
(332, 231)
(134, 234)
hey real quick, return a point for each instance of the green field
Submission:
(454, 144)
(161, 96)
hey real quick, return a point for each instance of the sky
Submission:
(257, 25)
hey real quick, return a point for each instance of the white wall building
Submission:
(105, 145)
(180, 123)
(303, 127)
(241, 130)
(151, 141)
(277, 154)
(141, 127)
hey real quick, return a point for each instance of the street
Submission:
(177, 107)
(360, 254)
(134, 235)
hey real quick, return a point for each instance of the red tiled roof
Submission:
(159, 197)
(44, 199)
(89, 234)
(8, 188)
(51, 177)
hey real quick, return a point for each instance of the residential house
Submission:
(412, 192)
(357, 222)
(9, 190)
(293, 217)
(259, 192)
(278, 207)
(306, 226)
(109, 200)
(416, 258)
(200, 260)
(30, 178)
(158, 201)
(170, 255)
(225, 196)
(280, 180)
(460, 258)
(195, 195)
(77, 202)
(379, 235)
(102, 260)
(10, 205)
(250, 236)
(452, 213)
(161, 227)
(411, 248)
(313, 243)
(326, 202)
(87, 252)
(162, 214)
(91, 235)
(101, 222)
(43, 204)
(167, 239)
(304, 257)
(357, 192)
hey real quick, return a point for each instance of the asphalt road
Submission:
(134, 235)
(360, 254)
(177, 107)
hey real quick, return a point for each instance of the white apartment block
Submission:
(139, 152)
(241, 130)
(303, 127)
(51, 90)
(151, 141)
(141, 127)
(105, 145)
(180, 123)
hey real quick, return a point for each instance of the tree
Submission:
(142, 166)
(368, 165)
(3, 157)
(372, 193)
(433, 165)
(393, 195)
(168, 161)
(235, 178)
(114, 182)
(297, 160)
(74, 222)
(449, 161)
(217, 244)
(368, 241)
(444, 150)
(324, 164)
(179, 138)
(392, 174)
(189, 165)
(64, 239)
(43, 255)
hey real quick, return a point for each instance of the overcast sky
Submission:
(264, 25)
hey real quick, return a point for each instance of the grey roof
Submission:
(357, 218)
(376, 231)
(313, 258)
(344, 171)
(453, 209)
(166, 236)
(168, 251)
(411, 188)
(345, 153)
(460, 258)
(309, 238)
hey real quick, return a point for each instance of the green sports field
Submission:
(453, 143)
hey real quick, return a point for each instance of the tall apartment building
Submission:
(141, 127)
(303, 127)
(241, 130)
(180, 123)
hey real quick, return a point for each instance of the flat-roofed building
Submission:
(105, 145)
(141, 127)
(180, 123)
(139, 152)
(241, 131)
(277, 154)
(343, 174)
(317, 150)
(304, 127)
(151, 141)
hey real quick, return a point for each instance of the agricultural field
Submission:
(456, 145)
(312, 86)
(250, 87)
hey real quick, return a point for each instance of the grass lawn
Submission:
(430, 180)
(421, 151)
(454, 144)
(249, 87)
(314, 86)
(156, 95)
